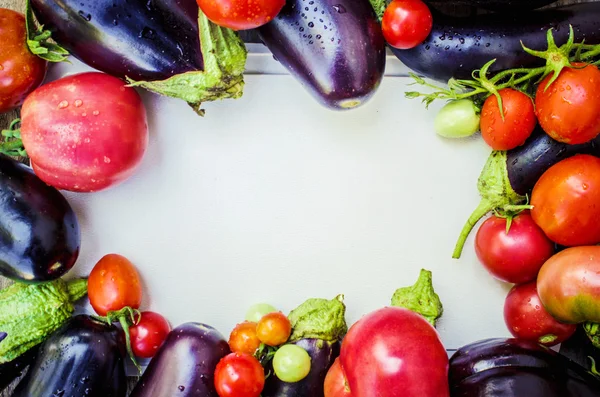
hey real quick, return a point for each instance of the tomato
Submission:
(526, 318)
(257, 311)
(291, 363)
(84, 132)
(21, 72)
(241, 14)
(569, 285)
(274, 329)
(335, 382)
(113, 284)
(148, 335)
(516, 256)
(239, 375)
(569, 110)
(457, 119)
(394, 352)
(406, 23)
(517, 125)
(565, 201)
(243, 338)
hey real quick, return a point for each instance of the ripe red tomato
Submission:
(243, 338)
(113, 284)
(566, 201)
(518, 124)
(515, 257)
(274, 329)
(149, 334)
(526, 318)
(84, 132)
(241, 14)
(569, 110)
(394, 352)
(335, 382)
(21, 72)
(239, 375)
(406, 23)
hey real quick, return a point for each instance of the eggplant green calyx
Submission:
(592, 330)
(11, 144)
(420, 298)
(379, 6)
(224, 55)
(496, 194)
(319, 319)
(37, 40)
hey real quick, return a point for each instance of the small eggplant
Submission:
(185, 364)
(39, 231)
(335, 48)
(82, 358)
(14, 369)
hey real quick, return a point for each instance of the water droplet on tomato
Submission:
(78, 103)
(63, 104)
(106, 160)
(95, 112)
(584, 186)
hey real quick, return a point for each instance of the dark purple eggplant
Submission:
(458, 46)
(185, 364)
(82, 358)
(39, 231)
(507, 6)
(334, 48)
(580, 349)
(516, 368)
(12, 370)
(322, 354)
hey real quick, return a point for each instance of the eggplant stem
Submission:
(482, 209)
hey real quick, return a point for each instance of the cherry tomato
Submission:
(566, 201)
(518, 124)
(274, 329)
(243, 338)
(239, 375)
(113, 284)
(569, 110)
(84, 132)
(515, 257)
(149, 334)
(526, 318)
(406, 23)
(335, 382)
(21, 72)
(241, 14)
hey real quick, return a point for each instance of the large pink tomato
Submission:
(84, 132)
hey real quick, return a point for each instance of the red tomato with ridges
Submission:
(241, 14)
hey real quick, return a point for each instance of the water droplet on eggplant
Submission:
(311, 25)
(340, 9)
(147, 33)
(84, 15)
(181, 388)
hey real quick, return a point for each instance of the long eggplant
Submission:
(39, 231)
(12, 370)
(82, 358)
(506, 6)
(166, 46)
(185, 364)
(458, 46)
(515, 368)
(334, 48)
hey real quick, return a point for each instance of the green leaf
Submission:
(37, 40)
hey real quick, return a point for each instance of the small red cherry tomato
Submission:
(149, 334)
(239, 375)
(406, 23)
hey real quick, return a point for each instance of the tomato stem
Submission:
(125, 325)
(483, 208)
(37, 40)
(12, 145)
(126, 317)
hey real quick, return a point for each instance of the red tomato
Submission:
(243, 338)
(241, 14)
(518, 124)
(274, 329)
(239, 375)
(21, 72)
(84, 132)
(394, 352)
(406, 23)
(569, 110)
(515, 257)
(335, 382)
(526, 318)
(566, 201)
(149, 334)
(113, 284)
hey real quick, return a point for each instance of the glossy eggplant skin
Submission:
(144, 40)
(322, 354)
(335, 48)
(83, 358)
(516, 368)
(499, 5)
(13, 369)
(458, 46)
(185, 364)
(39, 231)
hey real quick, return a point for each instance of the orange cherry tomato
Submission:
(274, 329)
(243, 338)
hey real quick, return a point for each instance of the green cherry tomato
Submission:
(457, 119)
(291, 363)
(256, 312)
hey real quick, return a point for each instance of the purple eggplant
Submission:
(14, 369)
(335, 48)
(185, 364)
(498, 5)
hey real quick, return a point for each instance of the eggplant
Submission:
(580, 349)
(39, 231)
(458, 46)
(166, 46)
(185, 364)
(498, 5)
(12, 370)
(516, 368)
(82, 358)
(334, 48)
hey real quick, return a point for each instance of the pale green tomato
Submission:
(256, 312)
(457, 119)
(291, 363)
